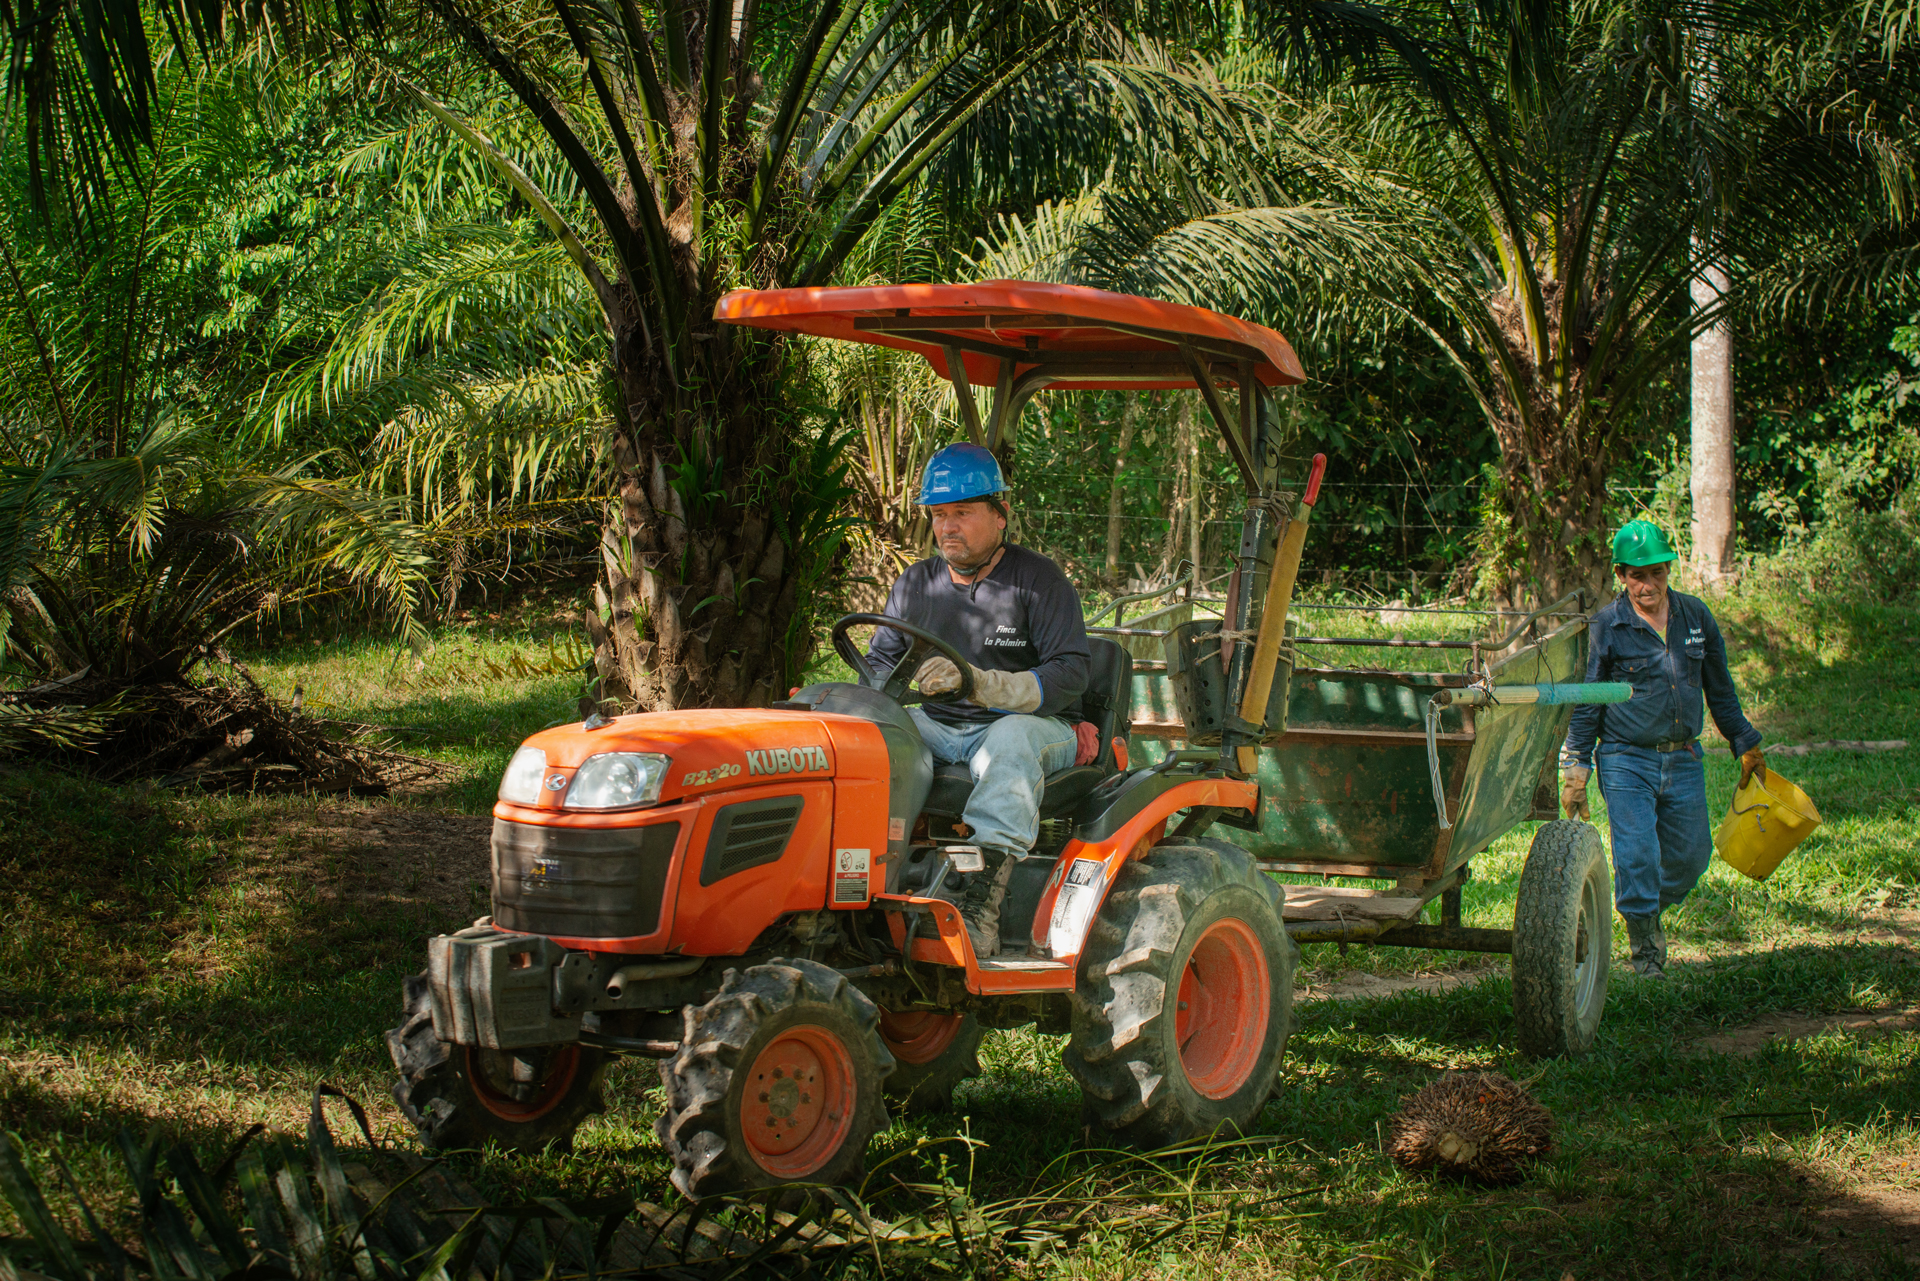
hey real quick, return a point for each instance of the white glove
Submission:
(1004, 691)
(937, 676)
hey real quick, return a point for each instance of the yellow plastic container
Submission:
(1770, 816)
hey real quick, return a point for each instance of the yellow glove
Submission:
(1751, 762)
(1573, 793)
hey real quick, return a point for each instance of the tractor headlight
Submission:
(521, 783)
(616, 780)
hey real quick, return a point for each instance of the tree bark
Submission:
(1712, 436)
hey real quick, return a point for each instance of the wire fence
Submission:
(1150, 545)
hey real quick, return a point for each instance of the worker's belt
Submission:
(1674, 745)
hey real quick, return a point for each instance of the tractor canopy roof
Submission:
(1021, 336)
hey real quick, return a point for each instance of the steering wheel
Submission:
(899, 683)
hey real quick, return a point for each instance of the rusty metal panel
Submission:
(1347, 785)
(1347, 788)
(1513, 743)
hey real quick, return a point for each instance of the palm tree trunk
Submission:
(1712, 432)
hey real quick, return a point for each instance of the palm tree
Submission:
(1525, 197)
(755, 145)
(136, 529)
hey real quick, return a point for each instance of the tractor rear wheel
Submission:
(932, 1053)
(777, 1080)
(463, 1096)
(1185, 996)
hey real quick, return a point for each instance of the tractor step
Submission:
(1022, 963)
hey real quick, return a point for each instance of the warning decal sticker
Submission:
(1073, 909)
(850, 875)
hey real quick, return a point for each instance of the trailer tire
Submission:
(456, 1095)
(788, 1041)
(932, 1053)
(1185, 996)
(1562, 938)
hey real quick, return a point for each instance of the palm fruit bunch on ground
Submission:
(1479, 1126)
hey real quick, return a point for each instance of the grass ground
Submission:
(202, 962)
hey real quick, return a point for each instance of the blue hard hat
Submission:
(959, 473)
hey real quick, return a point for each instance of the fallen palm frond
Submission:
(376, 1214)
(222, 734)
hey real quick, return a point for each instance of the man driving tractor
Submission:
(1017, 620)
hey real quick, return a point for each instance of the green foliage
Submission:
(1832, 429)
(137, 527)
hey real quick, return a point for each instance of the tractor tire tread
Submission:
(716, 1036)
(1546, 912)
(922, 1089)
(1116, 1052)
(434, 1094)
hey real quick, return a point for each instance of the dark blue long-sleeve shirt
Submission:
(1024, 616)
(1668, 679)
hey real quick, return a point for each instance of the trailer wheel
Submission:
(932, 1053)
(1562, 936)
(463, 1096)
(777, 1080)
(1185, 996)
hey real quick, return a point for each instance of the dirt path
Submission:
(1353, 984)
(1756, 1036)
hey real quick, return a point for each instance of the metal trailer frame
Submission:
(1345, 789)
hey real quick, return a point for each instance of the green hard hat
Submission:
(1640, 542)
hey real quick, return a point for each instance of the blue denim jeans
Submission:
(1009, 758)
(1657, 808)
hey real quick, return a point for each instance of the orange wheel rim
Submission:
(919, 1036)
(490, 1083)
(1221, 1019)
(797, 1108)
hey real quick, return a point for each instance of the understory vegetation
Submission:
(198, 964)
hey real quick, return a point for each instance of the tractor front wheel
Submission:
(465, 1096)
(777, 1080)
(1185, 996)
(932, 1053)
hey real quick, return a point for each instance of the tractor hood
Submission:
(706, 751)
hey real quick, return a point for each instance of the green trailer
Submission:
(1375, 773)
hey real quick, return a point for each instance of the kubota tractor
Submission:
(750, 896)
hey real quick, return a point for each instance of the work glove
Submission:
(1573, 793)
(1751, 762)
(1004, 691)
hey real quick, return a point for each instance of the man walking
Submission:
(1017, 620)
(1668, 647)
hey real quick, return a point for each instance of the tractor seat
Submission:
(1108, 703)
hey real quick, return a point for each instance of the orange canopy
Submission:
(1039, 335)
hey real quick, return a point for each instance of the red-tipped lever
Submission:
(1263, 671)
(1314, 478)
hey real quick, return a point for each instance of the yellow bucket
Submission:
(1770, 816)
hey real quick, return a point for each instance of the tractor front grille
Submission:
(747, 834)
(581, 882)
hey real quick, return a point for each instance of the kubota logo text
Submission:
(786, 760)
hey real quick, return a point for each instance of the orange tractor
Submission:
(751, 896)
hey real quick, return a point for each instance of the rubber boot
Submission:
(1647, 943)
(980, 902)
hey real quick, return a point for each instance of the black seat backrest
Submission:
(1108, 702)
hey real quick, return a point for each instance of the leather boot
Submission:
(980, 902)
(1647, 943)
